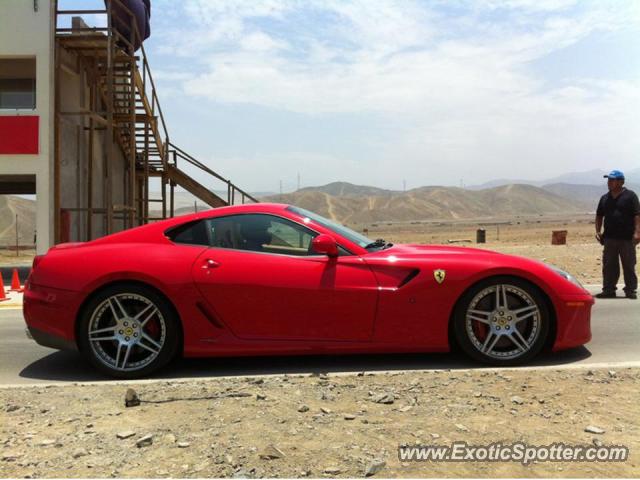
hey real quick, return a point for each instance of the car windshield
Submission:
(341, 230)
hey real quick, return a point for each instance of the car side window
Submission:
(260, 233)
(192, 233)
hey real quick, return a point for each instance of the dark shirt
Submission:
(619, 214)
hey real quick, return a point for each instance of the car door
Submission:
(263, 282)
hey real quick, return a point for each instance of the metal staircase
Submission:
(137, 111)
(128, 108)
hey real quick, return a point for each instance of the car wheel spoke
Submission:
(149, 316)
(147, 347)
(525, 312)
(147, 338)
(479, 316)
(490, 342)
(103, 330)
(118, 351)
(126, 356)
(143, 311)
(116, 306)
(102, 339)
(518, 340)
(501, 297)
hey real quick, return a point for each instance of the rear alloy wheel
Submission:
(128, 331)
(502, 321)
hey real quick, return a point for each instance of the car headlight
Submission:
(565, 275)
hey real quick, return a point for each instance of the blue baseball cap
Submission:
(615, 175)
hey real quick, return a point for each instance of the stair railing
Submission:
(232, 189)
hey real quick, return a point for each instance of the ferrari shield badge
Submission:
(439, 275)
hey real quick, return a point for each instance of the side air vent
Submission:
(209, 315)
(409, 277)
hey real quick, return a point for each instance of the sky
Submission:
(382, 92)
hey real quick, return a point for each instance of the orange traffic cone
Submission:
(15, 282)
(3, 297)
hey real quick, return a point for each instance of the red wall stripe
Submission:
(19, 134)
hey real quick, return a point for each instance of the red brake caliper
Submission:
(152, 328)
(480, 330)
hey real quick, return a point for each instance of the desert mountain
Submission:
(586, 194)
(441, 203)
(26, 211)
(349, 203)
(590, 178)
(346, 189)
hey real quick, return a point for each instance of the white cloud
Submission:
(386, 56)
(460, 82)
(531, 5)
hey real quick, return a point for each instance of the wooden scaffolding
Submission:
(123, 103)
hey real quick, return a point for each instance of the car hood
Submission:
(413, 250)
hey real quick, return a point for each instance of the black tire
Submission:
(135, 298)
(501, 344)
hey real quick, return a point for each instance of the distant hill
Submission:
(441, 203)
(350, 203)
(594, 177)
(26, 210)
(586, 194)
(590, 177)
(345, 189)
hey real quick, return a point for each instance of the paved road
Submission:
(616, 341)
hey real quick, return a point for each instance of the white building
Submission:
(27, 106)
(81, 125)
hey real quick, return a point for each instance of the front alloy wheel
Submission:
(503, 321)
(128, 331)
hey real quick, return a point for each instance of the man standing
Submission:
(620, 211)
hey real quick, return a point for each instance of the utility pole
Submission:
(298, 180)
(195, 206)
(280, 190)
(404, 185)
(17, 244)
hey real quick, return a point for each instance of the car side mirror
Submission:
(325, 245)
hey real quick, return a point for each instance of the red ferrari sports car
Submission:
(271, 279)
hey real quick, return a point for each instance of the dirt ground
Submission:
(526, 236)
(318, 426)
(338, 425)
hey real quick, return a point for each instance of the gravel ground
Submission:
(318, 426)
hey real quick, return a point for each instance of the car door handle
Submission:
(208, 263)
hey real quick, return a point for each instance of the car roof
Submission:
(155, 232)
(157, 229)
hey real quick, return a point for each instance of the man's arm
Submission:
(599, 219)
(636, 213)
